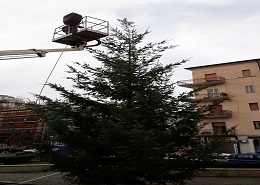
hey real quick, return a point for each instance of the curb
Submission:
(229, 172)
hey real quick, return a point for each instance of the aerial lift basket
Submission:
(78, 30)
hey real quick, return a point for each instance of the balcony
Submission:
(220, 114)
(206, 132)
(211, 97)
(209, 132)
(201, 82)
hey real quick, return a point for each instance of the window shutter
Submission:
(246, 73)
(211, 77)
(218, 124)
(253, 106)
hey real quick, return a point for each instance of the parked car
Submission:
(244, 158)
(224, 155)
(221, 155)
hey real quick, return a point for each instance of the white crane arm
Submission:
(36, 52)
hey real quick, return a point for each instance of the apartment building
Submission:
(16, 115)
(237, 85)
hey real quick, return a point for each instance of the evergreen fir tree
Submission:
(123, 123)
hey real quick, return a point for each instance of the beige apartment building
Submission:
(238, 85)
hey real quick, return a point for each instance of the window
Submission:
(219, 127)
(211, 77)
(253, 106)
(246, 73)
(216, 110)
(250, 89)
(212, 93)
(256, 124)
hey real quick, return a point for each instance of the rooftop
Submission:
(226, 63)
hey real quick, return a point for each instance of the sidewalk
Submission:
(25, 168)
(229, 172)
(208, 172)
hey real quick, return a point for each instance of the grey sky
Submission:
(207, 31)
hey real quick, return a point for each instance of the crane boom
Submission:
(37, 52)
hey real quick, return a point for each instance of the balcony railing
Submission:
(211, 97)
(201, 82)
(207, 132)
(220, 114)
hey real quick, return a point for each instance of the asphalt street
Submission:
(39, 178)
(55, 178)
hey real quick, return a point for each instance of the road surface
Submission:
(55, 178)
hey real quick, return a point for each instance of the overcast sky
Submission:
(207, 31)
